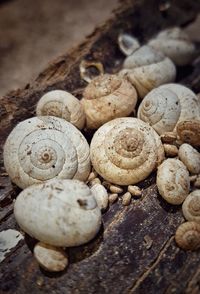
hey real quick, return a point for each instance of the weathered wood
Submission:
(135, 250)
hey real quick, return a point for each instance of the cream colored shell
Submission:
(188, 236)
(173, 181)
(175, 44)
(101, 195)
(58, 212)
(125, 151)
(191, 206)
(189, 131)
(108, 97)
(164, 107)
(41, 148)
(50, 258)
(62, 104)
(190, 157)
(147, 69)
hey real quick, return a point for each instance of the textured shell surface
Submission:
(189, 131)
(191, 206)
(147, 69)
(125, 151)
(58, 212)
(50, 258)
(190, 157)
(41, 148)
(108, 97)
(62, 104)
(101, 195)
(188, 236)
(175, 44)
(173, 181)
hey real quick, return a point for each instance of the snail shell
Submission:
(101, 195)
(188, 236)
(58, 212)
(189, 132)
(108, 97)
(173, 181)
(147, 69)
(127, 44)
(41, 148)
(190, 157)
(125, 151)
(164, 107)
(62, 104)
(191, 206)
(175, 44)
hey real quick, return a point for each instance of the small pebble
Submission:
(95, 181)
(170, 150)
(115, 189)
(134, 190)
(126, 199)
(92, 176)
(112, 198)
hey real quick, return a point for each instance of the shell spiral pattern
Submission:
(125, 151)
(41, 148)
(191, 206)
(188, 236)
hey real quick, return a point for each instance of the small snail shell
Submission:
(191, 206)
(147, 69)
(164, 107)
(41, 148)
(173, 181)
(61, 213)
(62, 104)
(127, 44)
(190, 157)
(108, 97)
(101, 195)
(188, 236)
(175, 44)
(50, 258)
(189, 132)
(125, 151)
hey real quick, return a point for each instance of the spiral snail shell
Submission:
(41, 148)
(189, 131)
(147, 69)
(190, 157)
(62, 104)
(164, 107)
(191, 206)
(125, 151)
(107, 97)
(188, 236)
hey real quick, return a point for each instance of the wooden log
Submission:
(135, 250)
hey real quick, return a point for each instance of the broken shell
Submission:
(175, 44)
(50, 258)
(61, 213)
(112, 198)
(190, 157)
(188, 236)
(170, 150)
(168, 137)
(115, 189)
(108, 97)
(101, 195)
(125, 151)
(173, 181)
(126, 199)
(147, 69)
(85, 65)
(127, 43)
(64, 105)
(41, 148)
(191, 206)
(135, 190)
(189, 131)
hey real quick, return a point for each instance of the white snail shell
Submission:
(41, 148)
(164, 107)
(147, 69)
(173, 181)
(190, 157)
(125, 151)
(62, 104)
(58, 212)
(188, 236)
(101, 195)
(107, 97)
(175, 44)
(191, 206)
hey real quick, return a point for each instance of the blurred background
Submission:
(34, 32)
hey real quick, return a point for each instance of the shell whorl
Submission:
(188, 235)
(42, 148)
(191, 206)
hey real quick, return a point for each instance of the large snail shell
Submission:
(41, 148)
(108, 97)
(190, 157)
(164, 107)
(173, 181)
(189, 131)
(62, 104)
(191, 206)
(175, 44)
(147, 69)
(58, 212)
(125, 151)
(188, 236)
